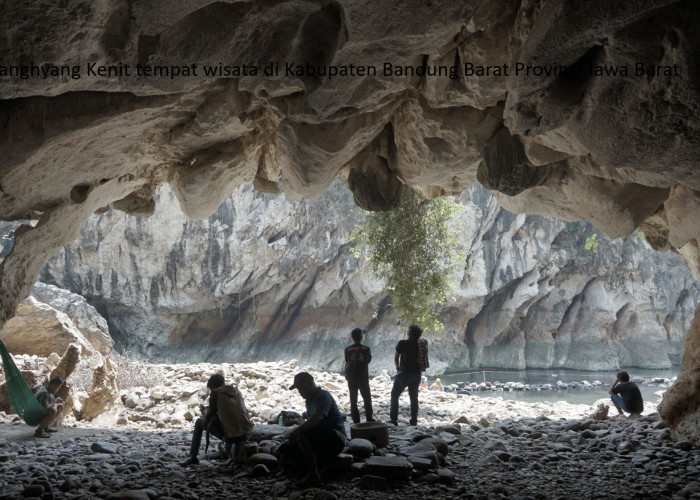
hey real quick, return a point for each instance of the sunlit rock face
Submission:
(680, 407)
(620, 151)
(51, 319)
(266, 279)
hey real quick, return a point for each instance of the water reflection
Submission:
(572, 395)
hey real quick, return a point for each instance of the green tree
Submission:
(414, 250)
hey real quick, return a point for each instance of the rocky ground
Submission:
(463, 447)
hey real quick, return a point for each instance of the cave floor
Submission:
(533, 458)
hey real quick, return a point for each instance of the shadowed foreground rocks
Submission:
(464, 447)
(529, 458)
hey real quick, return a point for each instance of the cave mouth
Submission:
(565, 111)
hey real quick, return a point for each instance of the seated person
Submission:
(226, 419)
(626, 396)
(437, 385)
(53, 406)
(322, 436)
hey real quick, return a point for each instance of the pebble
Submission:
(259, 470)
(104, 447)
(264, 459)
(370, 482)
(463, 447)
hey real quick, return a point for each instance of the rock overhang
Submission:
(345, 88)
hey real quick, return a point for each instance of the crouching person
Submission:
(52, 405)
(626, 396)
(322, 436)
(226, 418)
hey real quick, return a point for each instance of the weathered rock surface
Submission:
(681, 405)
(104, 392)
(263, 279)
(51, 319)
(618, 150)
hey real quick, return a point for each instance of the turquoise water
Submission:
(576, 396)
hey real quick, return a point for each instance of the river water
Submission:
(576, 396)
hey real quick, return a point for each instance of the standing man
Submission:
(322, 436)
(53, 406)
(411, 359)
(626, 396)
(357, 359)
(227, 419)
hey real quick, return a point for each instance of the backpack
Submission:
(423, 361)
(355, 365)
(287, 418)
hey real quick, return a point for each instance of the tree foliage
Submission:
(414, 249)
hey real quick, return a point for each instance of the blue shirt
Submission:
(322, 402)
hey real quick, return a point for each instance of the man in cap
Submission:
(322, 436)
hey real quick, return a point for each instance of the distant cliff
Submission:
(266, 279)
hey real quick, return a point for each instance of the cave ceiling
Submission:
(563, 108)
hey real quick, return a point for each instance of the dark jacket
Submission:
(227, 405)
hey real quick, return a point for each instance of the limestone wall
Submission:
(263, 279)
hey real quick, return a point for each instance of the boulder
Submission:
(67, 363)
(132, 400)
(104, 393)
(51, 319)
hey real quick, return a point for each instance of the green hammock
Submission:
(21, 396)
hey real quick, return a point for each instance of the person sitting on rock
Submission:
(411, 359)
(53, 406)
(226, 418)
(357, 359)
(437, 385)
(626, 396)
(322, 436)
